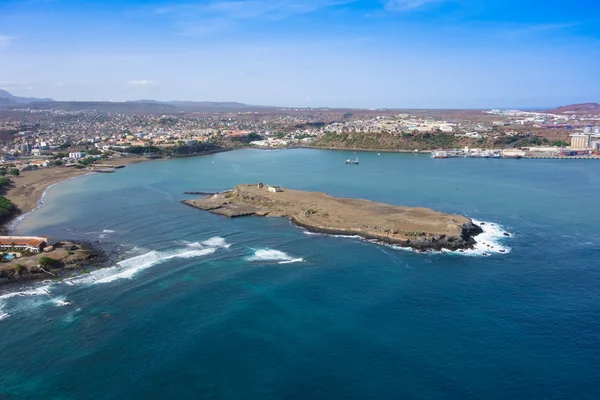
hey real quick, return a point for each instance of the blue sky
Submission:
(339, 53)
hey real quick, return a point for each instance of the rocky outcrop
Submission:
(70, 257)
(418, 228)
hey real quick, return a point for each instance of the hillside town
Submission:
(33, 138)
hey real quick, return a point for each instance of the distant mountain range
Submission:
(8, 99)
(585, 108)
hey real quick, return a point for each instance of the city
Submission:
(32, 138)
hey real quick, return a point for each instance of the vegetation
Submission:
(86, 161)
(388, 141)
(93, 152)
(48, 262)
(58, 163)
(4, 182)
(58, 156)
(144, 150)
(249, 138)
(183, 150)
(14, 172)
(7, 209)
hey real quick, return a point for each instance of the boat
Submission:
(439, 154)
(352, 162)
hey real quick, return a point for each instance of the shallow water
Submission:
(208, 307)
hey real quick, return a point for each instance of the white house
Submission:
(34, 244)
(77, 155)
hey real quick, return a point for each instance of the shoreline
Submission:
(28, 189)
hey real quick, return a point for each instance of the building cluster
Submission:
(589, 139)
(40, 133)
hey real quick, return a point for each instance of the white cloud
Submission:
(245, 9)
(407, 5)
(5, 40)
(142, 83)
(195, 19)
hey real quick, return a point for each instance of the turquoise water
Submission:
(206, 307)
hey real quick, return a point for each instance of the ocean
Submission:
(204, 307)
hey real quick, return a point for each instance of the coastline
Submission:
(29, 188)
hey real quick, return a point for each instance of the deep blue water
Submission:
(206, 307)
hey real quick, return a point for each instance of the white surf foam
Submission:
(108, 231)
(60, 302)
(4, 316)
(487, 243)
(128, 268)
(332, 235)
(273, 255)
(39, 291)
(216, 242)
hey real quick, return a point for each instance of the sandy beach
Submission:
(27, 188)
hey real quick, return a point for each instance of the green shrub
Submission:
(48, 262)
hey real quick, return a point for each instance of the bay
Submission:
(208, 307)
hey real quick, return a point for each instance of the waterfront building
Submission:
(580, 141)
(35, 244)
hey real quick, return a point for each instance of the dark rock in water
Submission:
(502, 251)
(483, 223)
(506, 234)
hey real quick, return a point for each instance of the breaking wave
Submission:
(30, 293)
(39, 291)
(273, 255)
(487, 243)
(216, 241)
(125, 269)
(128, 268)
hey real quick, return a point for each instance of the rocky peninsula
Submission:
(59, 260)
(418, 228)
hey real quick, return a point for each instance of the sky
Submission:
(305, 53)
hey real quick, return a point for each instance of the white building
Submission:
(77, 155)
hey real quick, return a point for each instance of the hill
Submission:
(7, 98)
(107, 106)
(585, 108)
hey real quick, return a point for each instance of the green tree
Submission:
(58, 163)
(94, 152)
(15, 172)
(48, 262)
(7, 208)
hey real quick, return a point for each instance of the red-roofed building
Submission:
(35, 244)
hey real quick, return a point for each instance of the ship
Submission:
(439, 154)
(352, 162)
